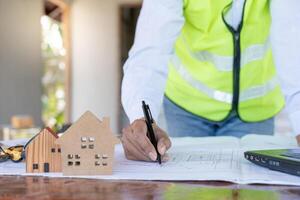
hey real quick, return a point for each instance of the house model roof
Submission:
(45, 130)
(89, 125)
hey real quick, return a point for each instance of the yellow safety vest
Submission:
(216, 69)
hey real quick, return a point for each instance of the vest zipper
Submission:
(236, 34)
(236, 70)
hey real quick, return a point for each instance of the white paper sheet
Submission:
(195, 159)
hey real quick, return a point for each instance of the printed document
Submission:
(195, 159)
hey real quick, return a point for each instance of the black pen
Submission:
(149, 121)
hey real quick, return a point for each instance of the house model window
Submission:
(53, 150)
(97, 163)
(104, 156)
(71, 162)
(100, 160)
(87, 142)
(35, 166)
(97, 156)
(83, 139)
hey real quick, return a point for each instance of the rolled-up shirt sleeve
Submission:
(285, 39)
(146, 70)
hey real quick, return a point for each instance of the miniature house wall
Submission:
(88, 147)
(42, 154)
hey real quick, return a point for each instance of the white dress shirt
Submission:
(159, 24)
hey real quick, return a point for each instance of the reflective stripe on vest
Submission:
(250, 93)
(224, 63)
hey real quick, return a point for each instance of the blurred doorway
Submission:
(128, 16)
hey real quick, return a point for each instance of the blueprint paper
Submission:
(194, 159)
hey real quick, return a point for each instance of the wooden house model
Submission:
(42, 154)
(88, 147)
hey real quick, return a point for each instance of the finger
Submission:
(131, 150)
(143, 142)
(126, 130)
(165, 158)
(127, 154)
(125, 133)
(163, 145)
(164, 142)
(125, 143)
(138, 137)
(134, 153)
(136, 145)
(139, 126)
(138, 154)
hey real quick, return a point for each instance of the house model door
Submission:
(46, 167)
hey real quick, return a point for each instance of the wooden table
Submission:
(18, 187)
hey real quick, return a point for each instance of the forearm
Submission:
(141, 82)
(146, 70)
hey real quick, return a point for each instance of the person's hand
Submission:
(298, 139)
(137, 145)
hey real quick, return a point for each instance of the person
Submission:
(217, 68)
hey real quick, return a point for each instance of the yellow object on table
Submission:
(15, 153)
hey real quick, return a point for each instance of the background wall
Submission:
(20, 59)
(96, 65)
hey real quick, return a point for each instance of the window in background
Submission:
(55, 51)
(53, 98)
